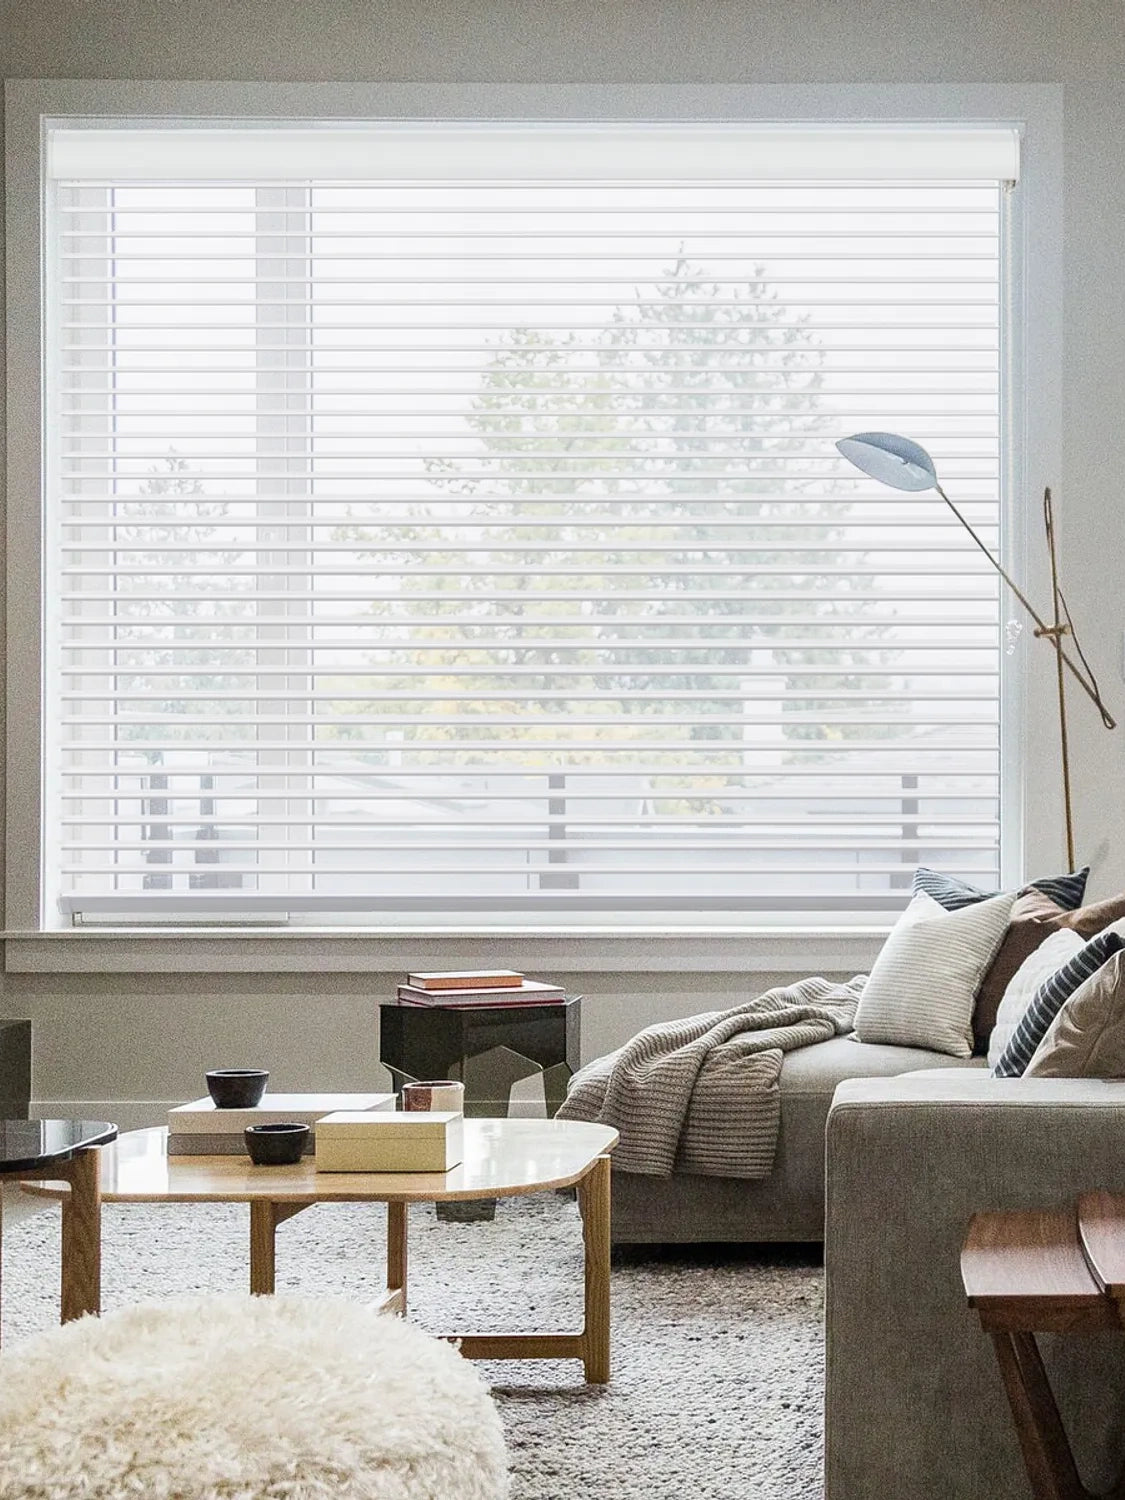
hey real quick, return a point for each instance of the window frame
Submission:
(1031, 459)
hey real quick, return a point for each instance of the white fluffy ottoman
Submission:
(245, 1398)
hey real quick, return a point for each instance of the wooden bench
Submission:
(1060, 1272)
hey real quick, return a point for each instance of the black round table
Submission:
(64, 1151)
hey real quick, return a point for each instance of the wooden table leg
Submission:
(265, 1216)
(594, 1205)
(263, 1247)
(396, 1259)
(82, 1237)
(1046, 1451)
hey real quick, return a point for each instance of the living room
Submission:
(979, 312)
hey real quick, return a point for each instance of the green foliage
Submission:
(675, 419)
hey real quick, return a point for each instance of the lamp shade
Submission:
(891, 459)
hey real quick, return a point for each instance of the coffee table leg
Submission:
(396, 1257)
(265, 1215)
(263, 1247)
(82, 1237)
(594, 1205)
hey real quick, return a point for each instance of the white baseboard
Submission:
(126, 1114)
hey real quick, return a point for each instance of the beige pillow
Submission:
(1087, 1037)
(922, 987)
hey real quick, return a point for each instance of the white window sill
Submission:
(542, 950)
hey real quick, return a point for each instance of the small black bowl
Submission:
(237, 1088)
(276, 1145)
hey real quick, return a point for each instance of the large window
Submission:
(448, 518)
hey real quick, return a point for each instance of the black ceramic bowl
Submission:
(237, 1088)
(276, 1145)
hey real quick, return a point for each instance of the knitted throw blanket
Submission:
(701, 1095)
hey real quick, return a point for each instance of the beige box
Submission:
(353, 1141)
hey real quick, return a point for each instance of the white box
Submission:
(417, 1141)
(201, 1129)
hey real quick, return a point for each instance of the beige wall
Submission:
(142, 1038)
(133, 1037)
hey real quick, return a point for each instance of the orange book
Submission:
(467, 979)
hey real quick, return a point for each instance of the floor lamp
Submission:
(902, 464)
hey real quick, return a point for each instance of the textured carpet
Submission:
(718, 1368)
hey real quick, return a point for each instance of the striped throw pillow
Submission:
(921, 987)
(1049, 999)
(1066, 891)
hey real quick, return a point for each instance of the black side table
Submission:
(488, 1048)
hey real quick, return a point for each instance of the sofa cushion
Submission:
(1087, 1037)
(818, 1069)
(1088, 921)
(923, 985)
(1034, 917)
(1049, 999)
(1032, 920)
(1065, 891)
(950, 1071)
(1043, 961)
(1041, 907)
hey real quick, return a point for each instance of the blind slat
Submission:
(586, 795)
(962, 750)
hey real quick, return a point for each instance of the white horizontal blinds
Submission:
(444, 544)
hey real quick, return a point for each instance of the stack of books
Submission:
(462, 988)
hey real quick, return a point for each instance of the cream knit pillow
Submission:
(1037, 967)
(923, 986)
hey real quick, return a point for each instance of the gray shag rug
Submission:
(717, 1356)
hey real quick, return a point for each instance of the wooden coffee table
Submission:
(503, 1159)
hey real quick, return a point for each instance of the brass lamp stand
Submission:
(904, 465)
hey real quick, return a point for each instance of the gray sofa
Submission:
(789, 1204)
(914, 1405)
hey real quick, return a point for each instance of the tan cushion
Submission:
(1088, 921)
(1087, 1037)
(1034, 917)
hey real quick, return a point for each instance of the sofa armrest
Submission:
(914, 1404)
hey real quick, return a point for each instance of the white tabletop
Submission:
(503, 1158)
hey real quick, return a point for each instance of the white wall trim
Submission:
(671, 950)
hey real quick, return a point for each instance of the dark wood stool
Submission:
(1060, 1272)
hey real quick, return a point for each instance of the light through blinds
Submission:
(470, 537)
